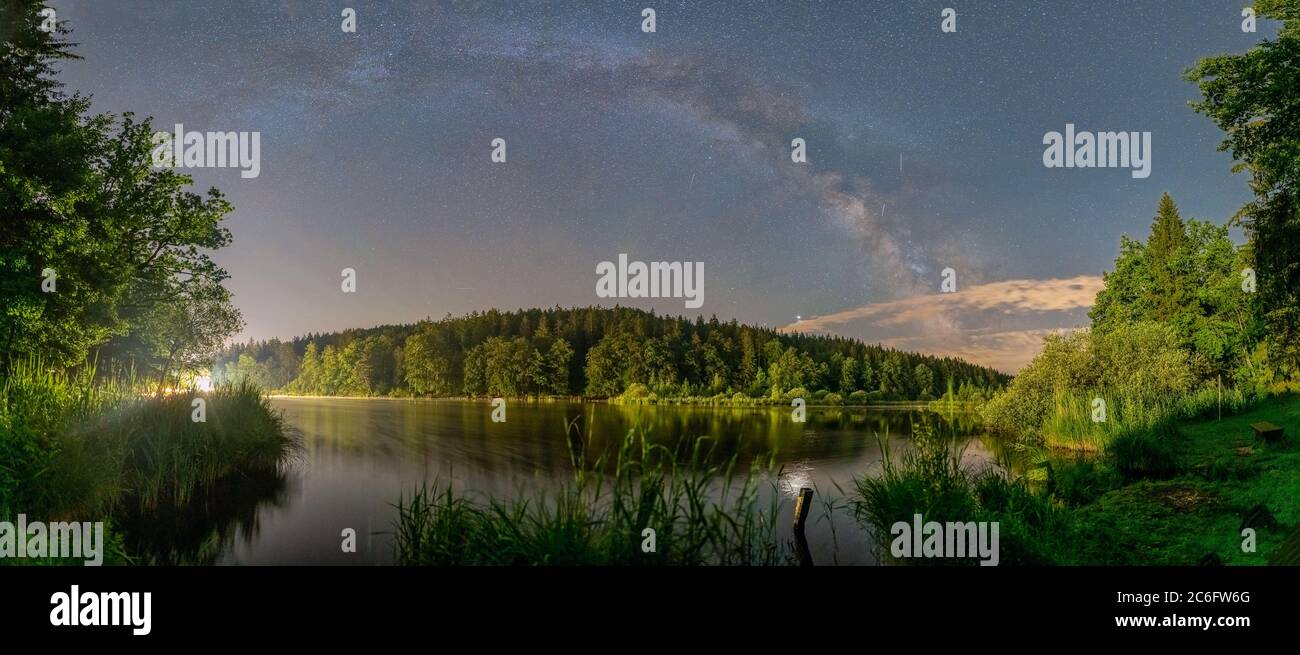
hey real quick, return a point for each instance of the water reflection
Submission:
(361, 455)
(197, 532)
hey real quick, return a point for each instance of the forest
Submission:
(599, 353)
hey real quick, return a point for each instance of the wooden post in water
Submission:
(801, 506)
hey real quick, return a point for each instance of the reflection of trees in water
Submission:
(457, 438)
(751, 433)
(199, 531)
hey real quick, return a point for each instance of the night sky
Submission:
(924, 152)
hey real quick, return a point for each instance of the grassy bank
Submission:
(1177, 493)
(76, 449)
(702, 512)
(1088, 422)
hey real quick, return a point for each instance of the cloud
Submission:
(1009, 296)
(998, 324)
(1004, 351)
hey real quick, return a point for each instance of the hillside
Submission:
(595, 352)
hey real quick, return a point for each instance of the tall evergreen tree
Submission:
(1164, 253)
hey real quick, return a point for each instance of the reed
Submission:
(702, 512)
(76, 446)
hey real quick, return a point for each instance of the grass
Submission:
(165, 456)
(930, 480)
(1079, 480)
(1145, 454)
(1076, 421)
(701, 512)
(1177, 493)
(1073, 420)
(1220, 475)
(76, 448)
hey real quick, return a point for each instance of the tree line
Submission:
(593, 352)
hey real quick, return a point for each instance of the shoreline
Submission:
(670, 402)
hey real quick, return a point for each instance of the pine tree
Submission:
(1164, 252)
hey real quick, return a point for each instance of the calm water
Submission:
(361, 455)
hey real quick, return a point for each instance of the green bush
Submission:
(37, 407)
(636, 390)
(797, 392)
(75, 447)
(927, 480)
(1080, 481)
(1141, 370)
(80, 449)
(1143, 454)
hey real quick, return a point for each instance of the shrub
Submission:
(1142, 454)
(1080, 481)
(1139, 369)
(927, 480)
(636, 391)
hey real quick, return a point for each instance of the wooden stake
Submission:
(801, 506)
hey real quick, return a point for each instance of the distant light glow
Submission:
(203, 383)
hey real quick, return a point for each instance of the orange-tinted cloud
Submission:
(998, 324)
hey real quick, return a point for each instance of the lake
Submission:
(361, 455)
